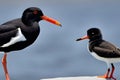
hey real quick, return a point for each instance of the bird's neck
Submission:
(92, 43)
(27, 22)
(97, 40)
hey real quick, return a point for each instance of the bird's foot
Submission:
(111, 77)
(103, 76)
(106, 77)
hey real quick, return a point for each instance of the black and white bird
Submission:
(102, 50)
(20, 33)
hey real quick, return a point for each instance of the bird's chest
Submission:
(91, 46)
(31, 33)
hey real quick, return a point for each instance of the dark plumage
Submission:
(102, 50)
(19, 33)
(101, 47)
(10, 29)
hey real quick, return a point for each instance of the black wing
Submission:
(9, 26)
(7, 36)
(7, 31)
(106, 49)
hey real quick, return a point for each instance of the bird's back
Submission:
(104, 49)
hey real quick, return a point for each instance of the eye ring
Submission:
(92, 33)
(35, 12)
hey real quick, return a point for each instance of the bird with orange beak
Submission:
(102, 50)
(20, 33)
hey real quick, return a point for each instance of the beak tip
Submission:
(60, 25)
(51, 20)
(78, 39)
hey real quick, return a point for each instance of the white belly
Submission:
(107, 60)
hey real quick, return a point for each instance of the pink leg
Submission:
(4, 63)
(111, 75)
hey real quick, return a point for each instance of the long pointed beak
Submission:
(82, 38)
(46, 18)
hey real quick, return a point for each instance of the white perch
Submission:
(76, 78)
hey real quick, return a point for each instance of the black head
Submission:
(92, 34)
(31, 14)
(34, 14)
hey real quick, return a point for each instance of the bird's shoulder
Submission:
(107, 44)
(10, 25)
(107, 49)
(102, 44)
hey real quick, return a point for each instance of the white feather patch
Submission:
(19, 37)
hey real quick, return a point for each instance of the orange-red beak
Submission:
(51, 20)
(82, 38)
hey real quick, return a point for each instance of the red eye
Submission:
(35, 12)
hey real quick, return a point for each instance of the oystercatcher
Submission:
(20, 33)
(102, 50)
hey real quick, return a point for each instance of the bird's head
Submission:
(92, 34)
(34, 14)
